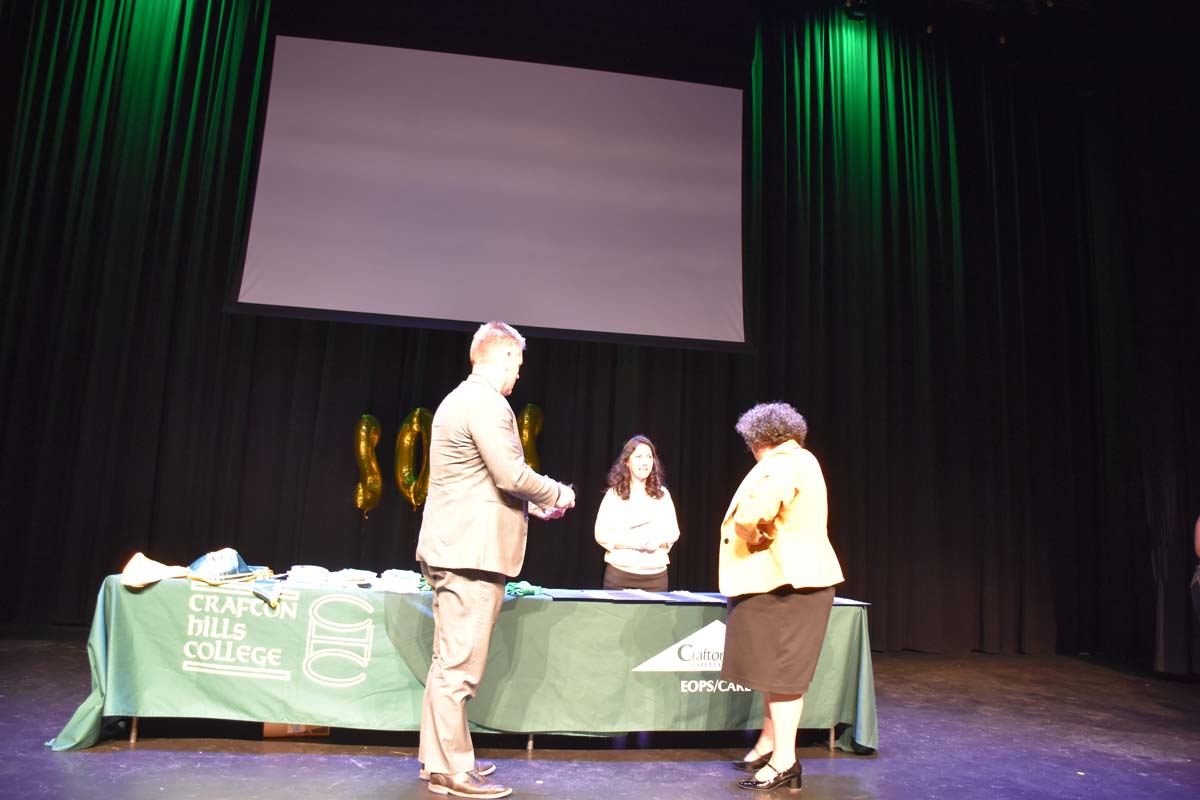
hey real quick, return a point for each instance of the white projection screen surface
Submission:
(432, 186)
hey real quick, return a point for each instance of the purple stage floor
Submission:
(956, 727)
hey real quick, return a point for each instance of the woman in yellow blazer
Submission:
(778, 570)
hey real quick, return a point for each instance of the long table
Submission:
(357, 658)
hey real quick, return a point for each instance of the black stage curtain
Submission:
(970, 275)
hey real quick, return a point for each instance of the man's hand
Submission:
(566, 497)
(545, 513)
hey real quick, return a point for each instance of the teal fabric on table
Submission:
(83, 728)
(356, 658)
(517, 588)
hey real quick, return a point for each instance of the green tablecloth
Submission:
(355, 658)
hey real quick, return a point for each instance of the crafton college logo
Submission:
(702, 651)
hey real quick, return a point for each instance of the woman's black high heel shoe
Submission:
(753, 766)
(791, 776)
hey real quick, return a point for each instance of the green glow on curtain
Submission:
(122, 214)
(874, 130)
(868, 295)
(752, 250)
(121, 153)
(875, 179)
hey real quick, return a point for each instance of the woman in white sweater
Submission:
(636, 524)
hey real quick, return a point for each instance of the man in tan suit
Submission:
(472, 540)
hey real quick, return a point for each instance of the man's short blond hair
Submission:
(490, 337)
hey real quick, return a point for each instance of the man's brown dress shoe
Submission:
(484, 768)
(466, 784)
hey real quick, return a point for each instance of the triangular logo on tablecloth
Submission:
(702, 651)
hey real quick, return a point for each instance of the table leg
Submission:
(133, 731)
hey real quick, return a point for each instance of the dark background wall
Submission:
(978, 287)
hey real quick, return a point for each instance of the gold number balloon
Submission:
(370, 484)
(529, 423)
(419, 422)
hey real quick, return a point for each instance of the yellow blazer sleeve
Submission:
(759, 507)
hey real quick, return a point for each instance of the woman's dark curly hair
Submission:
(771, 424)
(619, 477)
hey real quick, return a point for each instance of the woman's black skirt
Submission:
(772, 640)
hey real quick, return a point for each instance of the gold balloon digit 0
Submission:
(370, 484)
(414, 487)
(529, 422)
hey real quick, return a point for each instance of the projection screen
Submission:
(417, 185)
